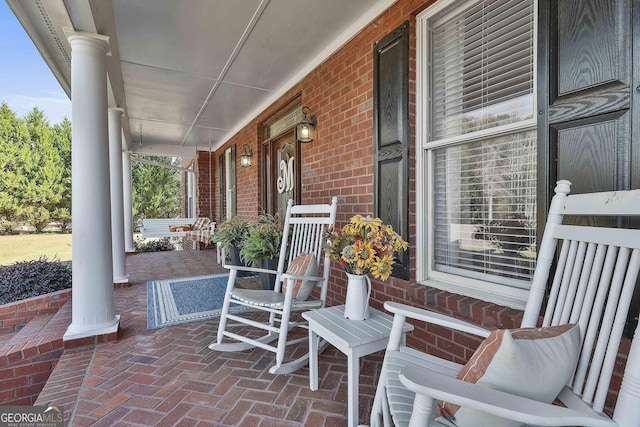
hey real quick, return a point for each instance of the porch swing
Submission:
(196, 229)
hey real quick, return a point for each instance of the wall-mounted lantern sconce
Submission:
(245, 157)
(307, 125)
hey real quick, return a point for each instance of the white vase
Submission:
(356, 305)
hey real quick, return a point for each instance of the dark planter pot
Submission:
(268, 280)
(234, 254)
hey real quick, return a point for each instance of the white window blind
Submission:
(484, 156)
(481, 66)
(484, 209)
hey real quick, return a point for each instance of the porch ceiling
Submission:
(190, 74)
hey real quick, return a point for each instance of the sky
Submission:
(25, 79)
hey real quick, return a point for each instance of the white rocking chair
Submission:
(594, 279)
(304, 226)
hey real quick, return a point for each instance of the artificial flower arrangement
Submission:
(365, 245)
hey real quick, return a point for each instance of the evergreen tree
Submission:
(35, 175)
(43, 186)
(13, 136)
(62, 142)
(156, 190)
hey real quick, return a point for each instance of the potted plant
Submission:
(261, 247)
(230, 236)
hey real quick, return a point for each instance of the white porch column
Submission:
(128, 203)
(93, 293)
(117, 202)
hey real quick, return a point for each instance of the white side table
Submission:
(355, 338)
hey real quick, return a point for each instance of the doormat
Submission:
(192, 299)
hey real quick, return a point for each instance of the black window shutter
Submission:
(391, 136)
(233, 194)
(221, 192)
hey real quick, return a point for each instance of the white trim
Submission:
(227, 182)
(72, 34)
(535, 60)
(496, 293)
(507, 129)
(162, 165)
(151, 149)
(422, 202)
(74, 332)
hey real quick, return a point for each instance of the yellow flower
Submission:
(399, 243)
(367, 223)
(364, 245)
(350, 230)
(365, 254)
(383, 268)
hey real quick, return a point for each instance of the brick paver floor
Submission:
(169, 377)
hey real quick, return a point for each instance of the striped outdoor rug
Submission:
(176, 301)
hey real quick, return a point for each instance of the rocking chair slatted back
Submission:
(610, 274)
(596, 274)
(592, 271)
(305, 234)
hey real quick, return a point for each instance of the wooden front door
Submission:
(282, 176)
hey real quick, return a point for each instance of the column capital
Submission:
(74, 37)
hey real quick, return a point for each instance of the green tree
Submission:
(42, 187)
(62, 143)
(156, 189)
(13, 136)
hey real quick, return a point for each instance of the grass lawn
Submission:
(28, 247)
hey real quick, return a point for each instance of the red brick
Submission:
(112, 404)
(140, 416)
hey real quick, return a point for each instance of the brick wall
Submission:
(27, 360)
(23, 373)
(340, 160)
(206, 168)
(15, 315)
(340, 163)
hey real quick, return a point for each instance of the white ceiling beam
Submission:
(151, 149)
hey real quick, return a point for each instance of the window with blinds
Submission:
(485, 209)
(482, 67)
(484, 139)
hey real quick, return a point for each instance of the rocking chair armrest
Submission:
(435, 318)
(302, 277)
(439, 386)
(251, 269)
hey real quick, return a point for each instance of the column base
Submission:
(74, 332)
(121, 282)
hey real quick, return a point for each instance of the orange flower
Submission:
(364, 245)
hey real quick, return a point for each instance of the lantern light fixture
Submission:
(306, 126)
(245, 157)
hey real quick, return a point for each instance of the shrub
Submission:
(231, 233)
(28, 279)
(156, 245)
(263, 240)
